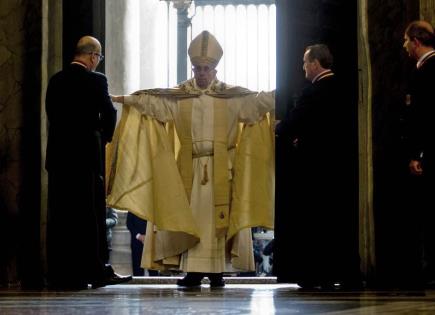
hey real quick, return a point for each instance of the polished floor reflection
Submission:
(233, 299)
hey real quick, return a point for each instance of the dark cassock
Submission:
(422, 147)
(81, 120)
(320, 211)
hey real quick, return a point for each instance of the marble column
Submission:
(20, 144)
(51, 62)
(366, 220)
(183, 22)
(122, 45)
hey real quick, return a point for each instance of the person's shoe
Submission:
(117, 279)
(219, 283)
(192, 279)
(216, 280)
(111, 280)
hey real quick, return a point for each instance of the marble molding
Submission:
(366, 224)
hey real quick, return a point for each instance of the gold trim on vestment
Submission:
(184, 160)
(221, 180)
(187, 89)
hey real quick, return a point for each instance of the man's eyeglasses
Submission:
(100, 56)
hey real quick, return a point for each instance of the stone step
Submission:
(228, 280)
(120, 256)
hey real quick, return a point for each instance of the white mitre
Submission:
(205, 49)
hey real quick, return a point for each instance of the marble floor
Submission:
(258, 299)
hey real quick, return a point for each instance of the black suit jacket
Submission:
(422, 113)
(81, 118)
(319, 209)
(318, 126)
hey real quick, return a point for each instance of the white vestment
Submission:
(211, 253)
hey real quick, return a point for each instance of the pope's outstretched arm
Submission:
(161, 108)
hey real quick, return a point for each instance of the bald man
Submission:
(419, 42)
(81, 121)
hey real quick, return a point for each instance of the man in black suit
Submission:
(419, 42)
(137, 228)
(322, 217)
(81, 121)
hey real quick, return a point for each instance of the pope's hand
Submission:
(117, 98)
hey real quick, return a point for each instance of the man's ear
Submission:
(416, 41)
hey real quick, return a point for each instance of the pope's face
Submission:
(203, 74)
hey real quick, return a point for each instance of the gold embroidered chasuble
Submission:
(144, 177)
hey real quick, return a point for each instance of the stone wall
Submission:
(11, 95)
(27, 59)
(20, 90)
(427, 10)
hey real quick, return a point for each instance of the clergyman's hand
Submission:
(415, 167)
(140, 237)
(117, 98)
